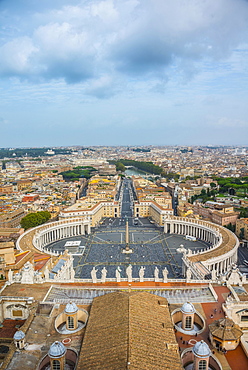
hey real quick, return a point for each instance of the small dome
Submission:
(226, 323)
(71, 307)
(19, 335)
(188, 307)
(225, 329)
(57, 350)
(201, 349)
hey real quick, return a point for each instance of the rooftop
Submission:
(136, 333)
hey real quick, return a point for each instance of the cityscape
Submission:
(123, 185)
(85, 231)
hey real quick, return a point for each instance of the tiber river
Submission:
(134, 172)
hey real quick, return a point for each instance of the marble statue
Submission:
(104, 274)
(214, 275)
(10, 276)
(72, 274)
(165, 275)
(142, 273)
(93, 275)
(46, 273)
(156, 274)
(27, 273)
(188, 274)
(129, 273)
(38, 277)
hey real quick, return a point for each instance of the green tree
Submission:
(120, 167)
(242, 233)
(231, 227)
(35, 219)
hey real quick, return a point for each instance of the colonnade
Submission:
(222, 266)
(60, 230)
(210, 233)
(198, 231)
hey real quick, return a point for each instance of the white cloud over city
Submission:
(77, 65)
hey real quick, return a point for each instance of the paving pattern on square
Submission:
(150, 245)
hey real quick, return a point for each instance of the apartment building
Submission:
(12, 219)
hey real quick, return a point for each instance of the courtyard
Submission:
(150, 246)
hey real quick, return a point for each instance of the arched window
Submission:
(56, 365)
(70, 322)
(202, 365)
(188, 322)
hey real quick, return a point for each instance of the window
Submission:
(244, 318)
(70, 322)
(188, 322)
(17, 313)
(202, 365)
(56, 365)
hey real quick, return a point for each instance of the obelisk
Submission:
(127, 234)
(127, 250)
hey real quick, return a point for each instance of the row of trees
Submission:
(238, 184)
(78, 172)
(148, 167)
(30, 152)
(35, 219)
(139, 150)
(204, 196)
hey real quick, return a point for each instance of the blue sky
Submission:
(126, 72)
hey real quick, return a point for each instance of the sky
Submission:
(123, 72)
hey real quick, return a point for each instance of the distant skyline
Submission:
(127, 72)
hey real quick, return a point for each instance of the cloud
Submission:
(86, 40)
(101, 88)
(65, 52)
(227, 122)
(16, 57)
(179, 33)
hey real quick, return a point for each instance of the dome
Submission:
(19, 335)
(57, 350)
(201, 349)
(225, 329)
(71, 307)
(188, 307)
(226, 323)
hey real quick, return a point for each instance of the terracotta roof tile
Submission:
(129, 331)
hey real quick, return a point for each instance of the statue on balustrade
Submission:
(142, 273)
(165, 275)
(104, 274)
(129, 273)
(156, 274)
(93, 275)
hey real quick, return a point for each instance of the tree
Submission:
(35, 219)
(231, 227)
(242, 233)
(120, 167)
